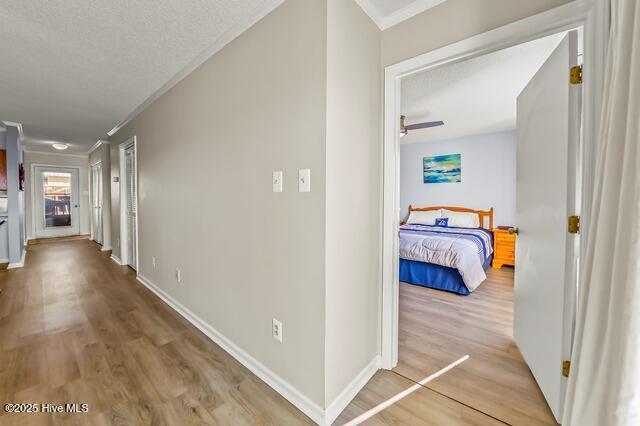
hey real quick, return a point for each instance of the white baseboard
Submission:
(116, 259)
(288, 391)
(352, 389)
(18, 264)
(105, 248)
(4, 260)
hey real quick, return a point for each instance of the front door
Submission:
(548, 128)
(56, 202)
(96, 202)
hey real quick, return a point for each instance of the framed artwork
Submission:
(442, 168)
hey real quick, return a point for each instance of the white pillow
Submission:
(461, 219)
(425, 217)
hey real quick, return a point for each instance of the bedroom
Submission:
(460, 213)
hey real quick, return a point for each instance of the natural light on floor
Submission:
(375, 410)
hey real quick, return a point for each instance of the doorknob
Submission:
(76, 206)
(514, 231)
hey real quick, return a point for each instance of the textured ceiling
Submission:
(70, 70)
(474, 96)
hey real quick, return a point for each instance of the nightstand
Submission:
(504, 248)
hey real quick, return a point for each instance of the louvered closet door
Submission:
(130, 165)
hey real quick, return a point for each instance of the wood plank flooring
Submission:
(437, 328)
(76, 327)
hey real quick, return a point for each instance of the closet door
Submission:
(131, 202)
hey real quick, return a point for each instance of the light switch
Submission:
(277, 181)
(304, 180)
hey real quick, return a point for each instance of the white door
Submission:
(56, 202)
(547, 132)
(131, 205)
(96, 202)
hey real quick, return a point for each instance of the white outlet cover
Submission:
(276, 330)
(178, 275)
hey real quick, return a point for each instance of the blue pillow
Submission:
(444, 221)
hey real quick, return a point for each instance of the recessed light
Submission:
(60, 146)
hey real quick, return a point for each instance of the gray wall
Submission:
(353, 231)
(4, 228)
(60, 160)
(206, 152)
(488, 175)
(102, 154)
(15, 217)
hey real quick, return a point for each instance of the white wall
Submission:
(60, 160)
(488, 175)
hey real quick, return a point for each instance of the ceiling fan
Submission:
(404, 129)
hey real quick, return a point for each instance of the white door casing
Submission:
(96, 203)
(58, 214)
(548, 129)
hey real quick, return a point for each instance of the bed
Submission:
(450, 255)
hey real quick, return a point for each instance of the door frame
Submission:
(592, 16)
(124, 227)
(32, 188)
(91, 166)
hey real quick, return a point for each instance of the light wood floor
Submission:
(494, 386)
(76, 327)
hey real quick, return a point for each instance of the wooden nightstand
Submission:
(504, 248)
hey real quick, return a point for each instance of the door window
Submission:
(56, 190)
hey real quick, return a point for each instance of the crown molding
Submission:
(16, 125)
(97, 145)
(26, 151)
(387, 21)
(266, 7)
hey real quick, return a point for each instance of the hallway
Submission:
(77, 328)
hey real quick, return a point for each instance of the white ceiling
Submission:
(71, 70)
(387, 13)
(474, 96)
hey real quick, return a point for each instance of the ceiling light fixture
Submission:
(60, 146)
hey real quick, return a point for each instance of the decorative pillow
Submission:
(442, 221)
(424, 217)
(461, 219)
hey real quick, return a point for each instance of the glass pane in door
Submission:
(56, 187)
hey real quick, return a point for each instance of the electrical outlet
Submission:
(276, 330)
(178, 275)
(153, 261)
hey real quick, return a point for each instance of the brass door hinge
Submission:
(575, 74)
(573, 224)
(566, 366)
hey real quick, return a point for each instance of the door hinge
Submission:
(566, 366)
(573, 224)
(575, 74)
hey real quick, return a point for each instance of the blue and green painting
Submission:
(442, 168)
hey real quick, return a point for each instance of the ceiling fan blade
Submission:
(424, 125)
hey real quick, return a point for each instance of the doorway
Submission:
(56, 201)
(96, 203)
(129, 203)
(494, 41)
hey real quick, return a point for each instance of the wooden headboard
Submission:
(482, 214)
